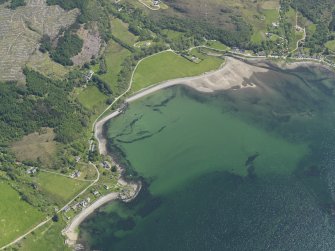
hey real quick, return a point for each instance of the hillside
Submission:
(22, 28)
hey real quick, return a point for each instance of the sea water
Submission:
(241, 169)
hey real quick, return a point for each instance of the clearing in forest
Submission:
(36, 146)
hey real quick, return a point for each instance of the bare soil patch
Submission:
(37, 145)
(91, 46)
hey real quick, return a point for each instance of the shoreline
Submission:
(71, 230)
(231, 75)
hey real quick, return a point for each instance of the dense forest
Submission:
(68, 45)
(139, 24)
(314, 10)
(14, 3)
(41, 103)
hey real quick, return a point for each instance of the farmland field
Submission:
(120, 30)
(114, 56)
(59, 187)
(168, 65)
(91, 98)
(217, 45)
(16, 216)
(48, 237)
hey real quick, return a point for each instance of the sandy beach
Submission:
(234, 73)
(71, 231)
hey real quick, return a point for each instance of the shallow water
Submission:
(248, 169)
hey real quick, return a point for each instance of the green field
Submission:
(120, 30)
(60, 188)
(48, 237)
(16, 216)
(172, 34)
(258, 37)
(331, 45)
(260, 18)
(297, 36)
(217, 45)
(168, 65)
(91, 97)
(114, 56)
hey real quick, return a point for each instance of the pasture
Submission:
(120, 30)
(168, 65)
(217, 45)
(16, 216)
(48, 237)
(91, 98)
(114, 56)
(58, 187)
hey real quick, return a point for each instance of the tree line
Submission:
(41, 103)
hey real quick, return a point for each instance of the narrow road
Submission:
(300, 40)
(50, 218)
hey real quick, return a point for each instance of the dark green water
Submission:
(248, 169)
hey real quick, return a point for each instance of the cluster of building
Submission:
(237, 50)
(88, 76)
(32, 170)
(82, 204)
(75, 174)
(106, 165)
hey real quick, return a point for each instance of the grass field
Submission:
(91, 98)
(297, 36)
(259, 16)
(331, 45)
(114, 56)
(120, 30)
(16, 216)
(217, 45)
(172, 34)
(37, 145)
(42, 63)
(48, 237)
(60, 188)
(168, 65)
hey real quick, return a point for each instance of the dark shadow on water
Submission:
(223, 211)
